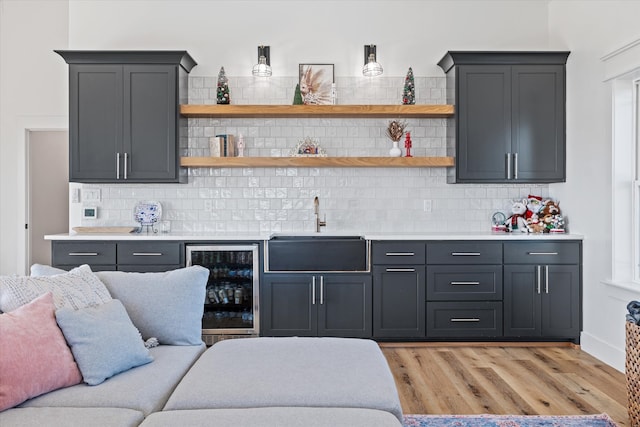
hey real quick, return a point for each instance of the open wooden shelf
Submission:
(284, 111)
(333, 162)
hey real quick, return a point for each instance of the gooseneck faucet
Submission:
(316, 209)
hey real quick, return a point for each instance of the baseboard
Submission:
(603, 351)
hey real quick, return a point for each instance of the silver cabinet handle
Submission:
(515, 165)
(321, 290)
(465, 319)
(538, 278)
(117, 165)
(126, 161)
(83, 253)
(546, 279)
(542, 253)
(401, 270)
(464, 283)
(508, 162)
(313, 290)
(400, 254)
(465, 254)
(147, 254)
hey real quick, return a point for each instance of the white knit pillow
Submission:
(76, 289)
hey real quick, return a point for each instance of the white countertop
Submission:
(265, 236)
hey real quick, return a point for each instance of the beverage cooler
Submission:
(231, 301)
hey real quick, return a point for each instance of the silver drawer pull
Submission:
(465, 253)
(470, 319)
(401, 270)
(400, 254)
(147, 254)
(542, 253)
(83, 253)
(464, 283)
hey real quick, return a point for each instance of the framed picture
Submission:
(315, 83)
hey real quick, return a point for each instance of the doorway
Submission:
(47, 191)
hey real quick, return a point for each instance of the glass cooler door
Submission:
(231, 299)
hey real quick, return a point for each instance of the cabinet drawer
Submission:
(464, 282)
(464, 253)
(78, 253)
(464, 319)
(393, 253)
(146, 253)
(542, 253)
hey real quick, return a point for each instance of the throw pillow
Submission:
(45, 270)
(168, 306)
(103, 340)
(34, 357)
(76, 289)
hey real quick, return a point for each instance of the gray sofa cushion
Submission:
(167, 305)
(273, 417)
(70, 417)
(145, 388)
(307, 372)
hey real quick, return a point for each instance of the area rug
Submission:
(601, 420)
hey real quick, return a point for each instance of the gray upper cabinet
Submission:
(124, 121)
(510, 115)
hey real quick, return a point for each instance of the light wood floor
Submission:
(530, 380)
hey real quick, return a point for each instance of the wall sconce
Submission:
(371, 66)
(263, 67)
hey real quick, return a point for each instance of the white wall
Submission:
(33, 87)
(416, 33)
(592, 29)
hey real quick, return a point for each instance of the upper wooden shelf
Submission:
(363, 111)
(336, 162)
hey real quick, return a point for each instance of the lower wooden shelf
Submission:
(332, 162)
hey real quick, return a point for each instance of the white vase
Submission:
(395, 150)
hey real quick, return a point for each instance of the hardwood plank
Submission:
(307, 162)
(440, 378)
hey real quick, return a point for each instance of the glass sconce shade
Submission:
(263, 67)
(371, 66)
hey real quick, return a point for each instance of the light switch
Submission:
(91, 195)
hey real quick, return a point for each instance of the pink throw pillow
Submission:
(34, 356)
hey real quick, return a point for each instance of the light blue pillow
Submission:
(168, 306)
(103, 340)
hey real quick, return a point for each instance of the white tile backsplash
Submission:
(281, 199)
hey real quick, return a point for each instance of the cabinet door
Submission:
(288, 306)
(149, 141)
(538, 122)
(344, 305)
(399, 301)
(561, 302)
(483, 114)
(522, 301)
(95, 122)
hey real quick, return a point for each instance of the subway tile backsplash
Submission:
(281, 199)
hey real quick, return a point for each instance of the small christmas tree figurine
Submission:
(409, 91)
(222, 91)
(297, 96)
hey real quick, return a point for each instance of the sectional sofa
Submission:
(240, 382)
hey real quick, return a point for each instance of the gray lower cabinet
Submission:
(143, 256)
(332, 305)
(510, 115)
(124, 123)
(464, 290)
(398, 289)
(542, 290)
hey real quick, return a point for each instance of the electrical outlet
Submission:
(75, 195)
(91, 195)
(427, 205)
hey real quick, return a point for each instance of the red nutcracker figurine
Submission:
(407, 144)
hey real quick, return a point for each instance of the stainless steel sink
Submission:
(317, 253)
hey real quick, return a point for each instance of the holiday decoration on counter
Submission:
(535, 215)
(409, 91)
(297, 96)
(407, 144)
(395, 130)
(308, 147)
(222, 90)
